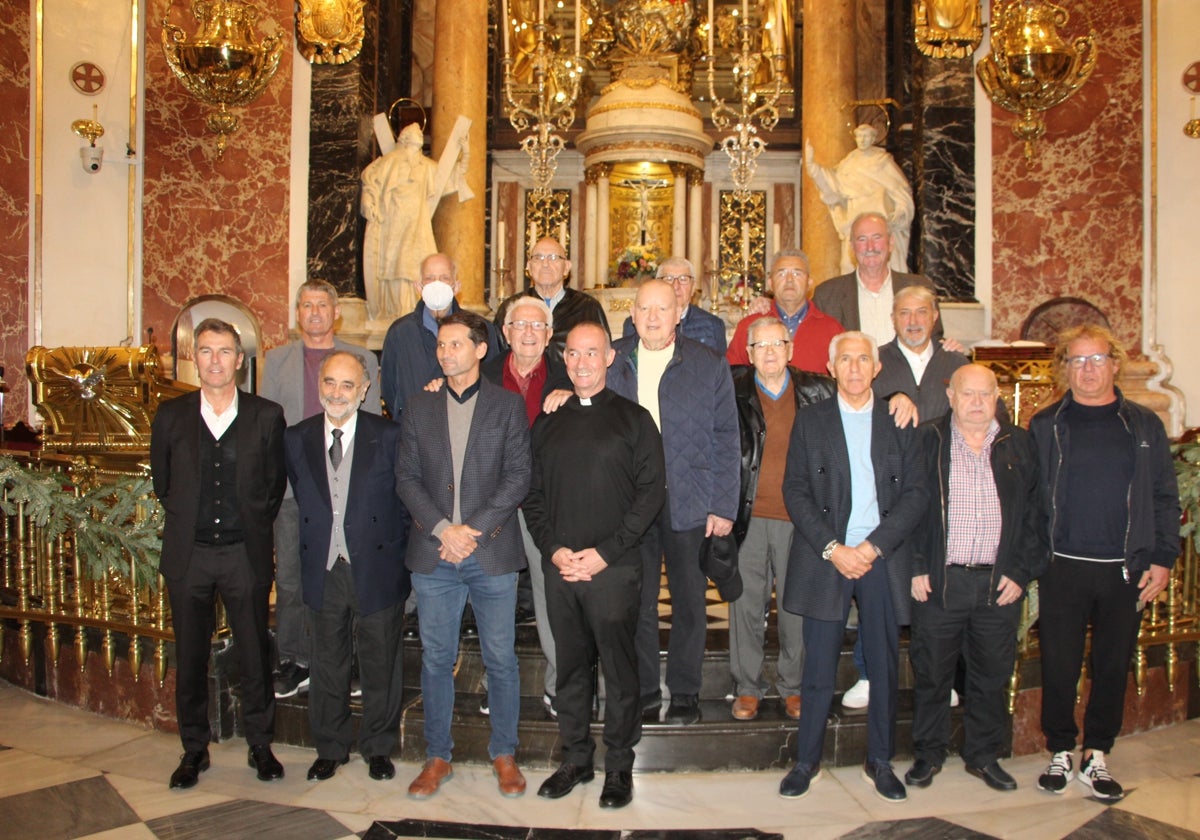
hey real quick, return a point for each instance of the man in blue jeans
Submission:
(465, 540)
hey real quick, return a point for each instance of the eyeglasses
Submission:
(1097, 360)
(550, 258)
(791, 273)
(763, 345)
(681, 279)
(533, 325)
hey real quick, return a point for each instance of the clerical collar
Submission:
(792, 322)
(470, 391)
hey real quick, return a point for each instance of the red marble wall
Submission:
(216, 226)
(15, 44)
(1070, 224)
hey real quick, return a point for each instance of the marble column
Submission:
(829, 83)
(603, 232)
(460, 87)
(590, 222)
(695, 240)
(679, 209)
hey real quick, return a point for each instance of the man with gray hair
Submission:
(290, 378)
(855, 493)
(694, 322)
(809, 329)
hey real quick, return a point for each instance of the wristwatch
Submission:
(827, 551)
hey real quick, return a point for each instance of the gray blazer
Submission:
(816, 491)
(837, 297)
(896, 376)
(283, 377)
(495, 477)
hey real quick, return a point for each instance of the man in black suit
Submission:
(216, 457)
(462, 471)
(855, 492)
(341, 465)
(863, 300)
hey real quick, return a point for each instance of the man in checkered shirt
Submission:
(983, 541)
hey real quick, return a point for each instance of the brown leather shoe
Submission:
(432, 775)
(745, 707)
(792, 706)
(508, 777)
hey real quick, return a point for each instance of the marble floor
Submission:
(65, 773)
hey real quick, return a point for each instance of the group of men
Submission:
(599, 464)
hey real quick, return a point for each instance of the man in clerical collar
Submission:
(548, 268)
(809, 328)
(694, 322)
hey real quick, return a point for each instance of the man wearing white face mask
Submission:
(410, 347)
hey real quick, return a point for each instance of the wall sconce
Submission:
(1031, 68)
(947, 28)
(1191, 83)
(221, 64)
(91, 156)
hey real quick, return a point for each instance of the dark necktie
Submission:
(335, 450)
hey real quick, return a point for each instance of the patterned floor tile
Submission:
(70, 810)
(250, 820)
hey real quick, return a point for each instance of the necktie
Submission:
(335, 450)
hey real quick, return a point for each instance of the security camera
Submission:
(91, 157)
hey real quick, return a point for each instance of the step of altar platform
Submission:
(717, 742)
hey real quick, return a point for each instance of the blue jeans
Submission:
(441, 596)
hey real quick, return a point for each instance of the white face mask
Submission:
(437, 295)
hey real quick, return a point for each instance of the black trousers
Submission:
(596, 619)
(971, 624)
(689, 621)
(1074, 593)
(380, 671)
(225, 571)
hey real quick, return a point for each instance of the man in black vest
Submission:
(216, 456)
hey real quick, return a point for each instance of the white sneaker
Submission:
(1094, 774)
(954, 699)
(858, 696)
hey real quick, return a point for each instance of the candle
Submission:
(500, 244)
(541, 11)
(776, 36)
(533, 235)
(505, 25)
(578, 26)
(776, 235)
(712, 24)
(562, 235)
(745, 12)
(746, 246)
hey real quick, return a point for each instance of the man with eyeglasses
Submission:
(530, 370)
(410, 346)
(1113, 499)
(768, 396)
(694, 322)
(809, 329)
(548, 268)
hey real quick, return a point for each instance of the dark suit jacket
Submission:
(838, 297)
(495, 476)
(896, 376)
(697, 324)
(816, 490)
(175, 467)
(283, 377)
(376, 522)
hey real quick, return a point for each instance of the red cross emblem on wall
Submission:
(87, 78)
(1191, 78)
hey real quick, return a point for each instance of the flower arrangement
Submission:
(635, 261)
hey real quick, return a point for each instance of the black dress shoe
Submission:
(563, 780)
(324, 768)
(191, 765)
(684, 709)
(380, 767)
(651, 704)
(994, 775)
(264, 761)
(887, 786)
(618, 789)
(921, 773)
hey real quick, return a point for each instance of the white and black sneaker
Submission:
(290, 680)
(548, 705)
(1094, 774)
(1060, 771)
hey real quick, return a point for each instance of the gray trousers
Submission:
(762, 562)
(538, 579)
(293, 634)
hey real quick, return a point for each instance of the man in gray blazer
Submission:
(290, 379)
(863, 300)
(462, 470)
(855, 492)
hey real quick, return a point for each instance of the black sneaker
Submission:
(548, 705)
(1060, 771)
(684, 710)
(1094, 774)
(291, 679)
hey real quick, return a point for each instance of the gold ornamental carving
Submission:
(1031, 68)
(947, 28)
(329, 31)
